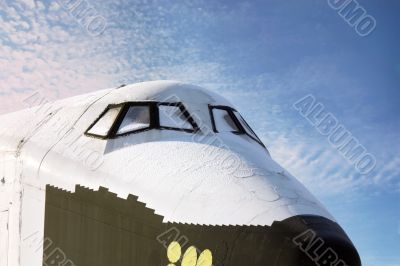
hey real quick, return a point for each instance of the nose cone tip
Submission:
(314, 240)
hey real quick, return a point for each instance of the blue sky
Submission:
(263, 56)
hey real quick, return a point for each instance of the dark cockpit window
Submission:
(224, 121)
(135, 117)
(227, 119)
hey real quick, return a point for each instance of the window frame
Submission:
(229, 110)
(248, 126)
(124, 111)
(241, 129)
(185, 113)
(154, 113)
(109, 107)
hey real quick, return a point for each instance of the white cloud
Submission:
(29, 3)
(46, 50)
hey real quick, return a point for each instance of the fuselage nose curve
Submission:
(216, 172)
(260, 209)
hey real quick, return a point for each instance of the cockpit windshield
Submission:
(224, 121)
(135, 117)
(174, 116)
(104, 124)
(227, 119)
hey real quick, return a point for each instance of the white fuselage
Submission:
(199, 178)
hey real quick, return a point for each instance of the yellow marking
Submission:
(174, 252)
(190, 257)
(205, 258)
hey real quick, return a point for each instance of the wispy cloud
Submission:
(44, 48)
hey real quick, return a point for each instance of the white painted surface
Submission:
(9, 207)
(4, 237)
(32, 232)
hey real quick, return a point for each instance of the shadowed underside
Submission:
(89, 227)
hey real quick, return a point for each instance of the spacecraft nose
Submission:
(314, 240)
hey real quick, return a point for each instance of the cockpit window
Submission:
(136, 118)
(246, 126)
(227, 119)
(102, 126)
(174, 117)
(224, 121)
